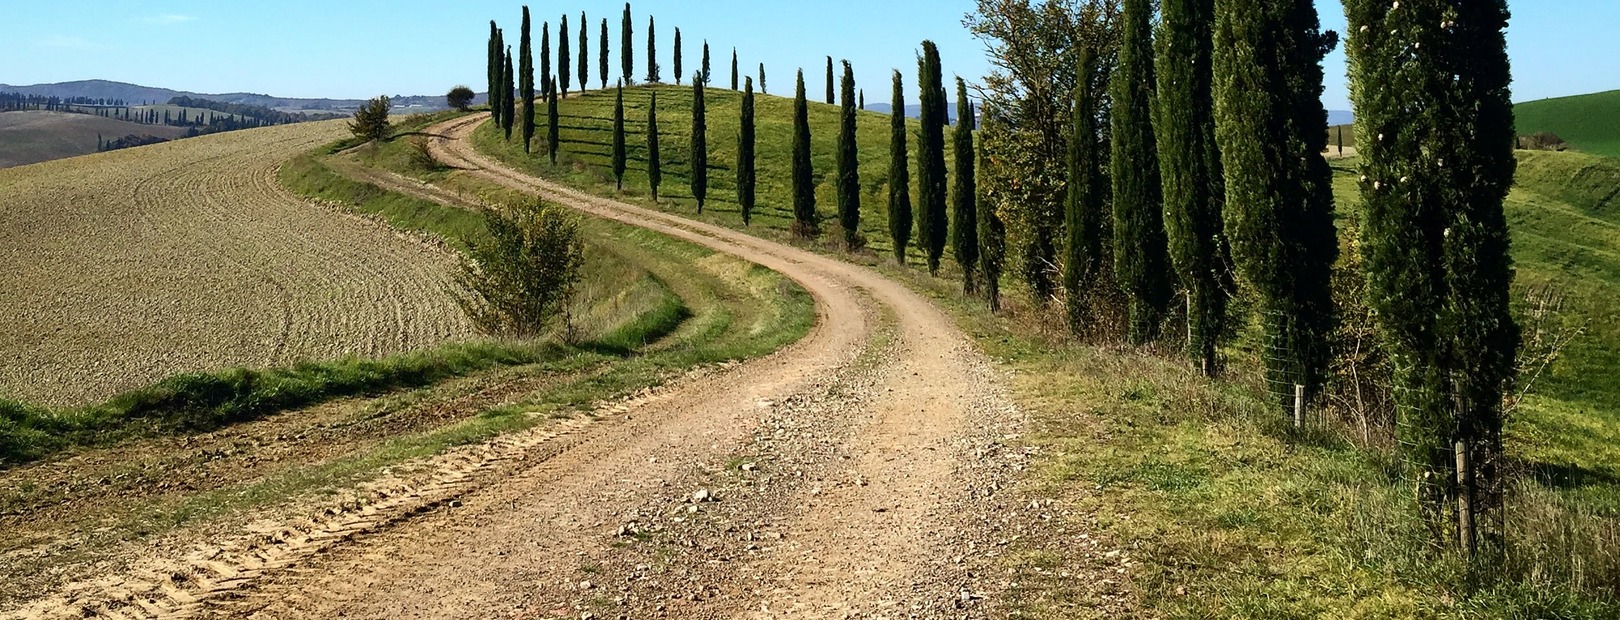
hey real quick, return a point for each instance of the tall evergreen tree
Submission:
(677, 64)
(1271, 130)
(746, 174)
(899, 175)
(494, 70)
(509, 114)
(848, 161)
(627, 49)
(1141, 260)
(992, 244)
(932, 221)
(618, 139)
(965, 192)
(602, 54)
(545, 54)
(654, 72)
(526, 80)
(762, 87)
(734, 74)
(1437, 162)
(700, 144)
(564, 67)
(706, 72)
(1194, 190)
(655, 167)
(584, 53)
(553, 132)
(804, 186)
(499, 96)
(1086, 216)
(863, 99)
(830, 90)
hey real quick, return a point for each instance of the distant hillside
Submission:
(1590, 123)
(36, 136)
(137, 94)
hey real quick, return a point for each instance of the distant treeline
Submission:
(131, 140)
(273, 117)
(14, 102)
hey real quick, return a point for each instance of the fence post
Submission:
(1465, 499)
(1299, 406)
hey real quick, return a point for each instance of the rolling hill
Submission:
(1589, 122)
(36, 136)
(137, 94)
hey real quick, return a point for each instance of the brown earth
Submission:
(33, 136)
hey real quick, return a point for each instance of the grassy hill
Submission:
(1589, 122)
(36, 136)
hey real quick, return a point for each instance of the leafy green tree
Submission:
(526, 80)
(584, 54)
(509, 114)
(762, 87)
(553, 136)
(627, 51)
(700, 144)
(654, 72)
(602, 57)
(830, 90)
(805, 222)
(655, 167)
(459, 98)
(992, 244)
(1086, 217)
(1271, 130)
(965, 192)
(734, 74)
(519, 277)
(932, 221)
(706, 72)
(849, 165)
(371, 120)
(746, 173)
(564, 66)
(677, 56)
(899, 175)
(545, 51)
(1194, 191)
(1437, 163)
(618, 139)
(1141, 260)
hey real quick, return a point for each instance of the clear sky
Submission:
(360, 48)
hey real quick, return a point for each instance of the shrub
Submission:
(459, 97)
(371, 120)
(517, 282)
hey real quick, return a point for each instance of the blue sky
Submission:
(357, 48)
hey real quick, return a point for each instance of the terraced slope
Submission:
(127, 267)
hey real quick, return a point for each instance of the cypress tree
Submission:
(500, 94)
(494, 69)
(849, 162)
(830, 100)
(745, 154)
(1085, 202)
(734, 74)
(553, 136)
(655, 167)
(863, 99)
(654, 72)
(992, 245)
(510, 103)
(762, 87)
(545, 54)
(602, 57)
(627, 51)
(1271, 129)
(678, 56)
(1141, 260)
(932, 223)
(526, 80)
(700, 144)
(804, 186)
(564, 67)
(899, 175)
(706, 73)
(618, 139)
(584, 54)
(1437, 162)
(1191, 166)
(965, 235)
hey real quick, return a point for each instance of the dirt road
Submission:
(856, 473)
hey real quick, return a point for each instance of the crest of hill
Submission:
(1591, 123)
(35, 136)
(136, 94)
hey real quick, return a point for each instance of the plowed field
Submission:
(122, 268)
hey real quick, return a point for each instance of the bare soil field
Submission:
(123, 268)
(34, 136)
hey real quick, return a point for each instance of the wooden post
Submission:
(1299, 406)
(1465, 499)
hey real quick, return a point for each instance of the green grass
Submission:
(1585, 121)
(586, 131)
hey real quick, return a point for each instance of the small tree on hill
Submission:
(677, 64)
(509, 114)
(494, 74)
(553, 137)
(655, 167)
(545, 54)
(518, 279)
(700, 144)
(564, 66)
(627, 49)
(706, 72)
(849, 162)
(762, 87)
(899, 175)
(371, 120)
(460, 97)
(734, 74)
(602, 58)
(584, 54)
(618, 139)
(830, 90)
(654, 72)
(965, 192)
(804, 186)
(745, 154)
(526, 80)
